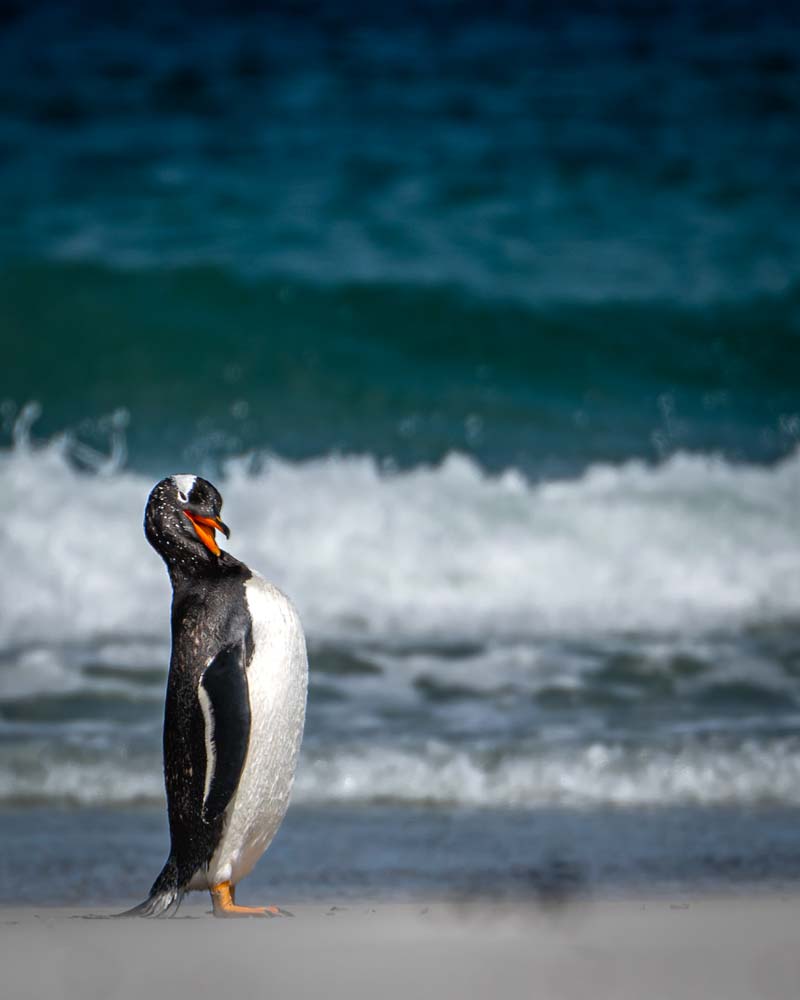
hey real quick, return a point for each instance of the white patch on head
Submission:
(211, 753)
(184, 484)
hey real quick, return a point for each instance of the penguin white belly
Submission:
(277, 679)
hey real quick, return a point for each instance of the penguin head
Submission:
(181, 518)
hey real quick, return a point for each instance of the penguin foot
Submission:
(222, 896)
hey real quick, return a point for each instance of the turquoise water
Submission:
(486, 325)
(207, 364)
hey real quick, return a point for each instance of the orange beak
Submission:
(205, 528)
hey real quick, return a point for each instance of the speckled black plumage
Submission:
(212, 642)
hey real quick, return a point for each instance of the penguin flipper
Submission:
(224, 707)
(225, 702)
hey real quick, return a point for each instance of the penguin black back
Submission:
(208, 611)
(235, 704)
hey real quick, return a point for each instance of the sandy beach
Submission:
(737, 947)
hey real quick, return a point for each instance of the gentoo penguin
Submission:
(235, 706)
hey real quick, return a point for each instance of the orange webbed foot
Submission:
(222, 896)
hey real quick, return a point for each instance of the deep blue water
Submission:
(486, 323)
(543, 239)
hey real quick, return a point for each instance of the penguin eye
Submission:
(182, 496)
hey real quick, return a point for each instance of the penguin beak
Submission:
(205, 528)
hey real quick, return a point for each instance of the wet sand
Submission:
(727, 948)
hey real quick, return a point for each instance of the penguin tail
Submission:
(164, 898)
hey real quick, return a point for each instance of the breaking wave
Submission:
(437, 551)
(596, 775)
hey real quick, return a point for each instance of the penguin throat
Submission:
(205, 527)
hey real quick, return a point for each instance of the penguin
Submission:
(235, 704)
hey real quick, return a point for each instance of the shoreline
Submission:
(690, 946)
(109, 857)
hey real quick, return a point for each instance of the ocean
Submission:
(486, 325)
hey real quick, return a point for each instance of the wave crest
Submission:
(596, 775)
(692, 544)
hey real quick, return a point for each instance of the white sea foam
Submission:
(51, 777)
(595, 775)
(599, 774)
(448, 551)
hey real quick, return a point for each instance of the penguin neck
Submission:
(186, 573)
